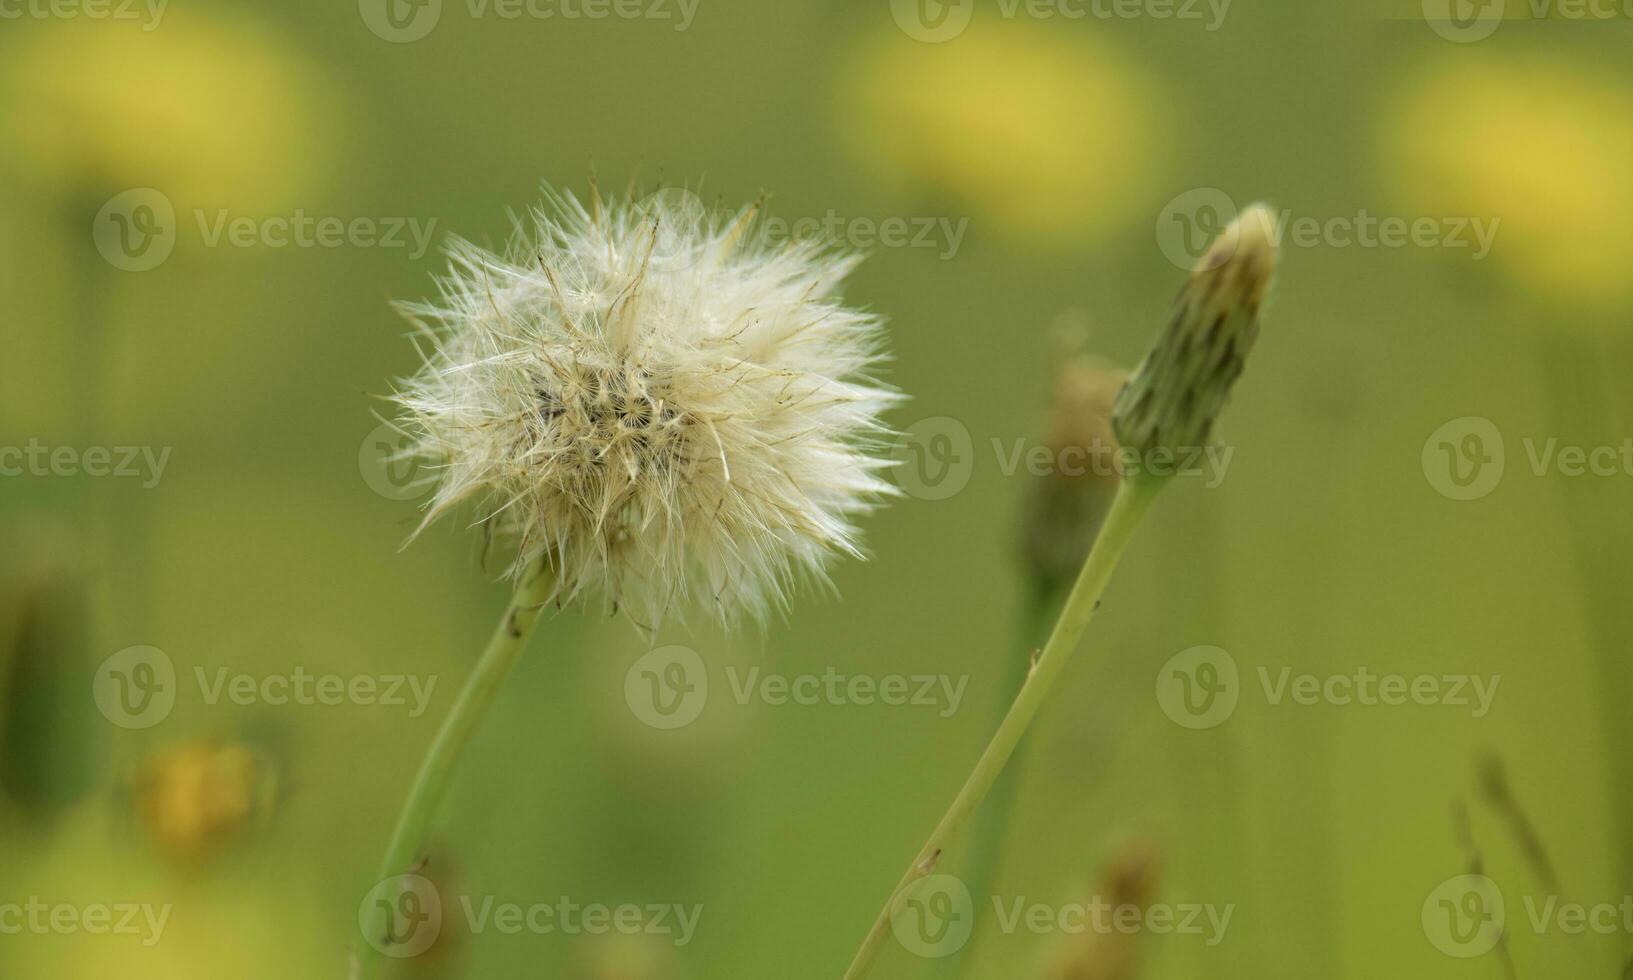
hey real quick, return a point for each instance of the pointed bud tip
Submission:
(1244, 256)
(1171, 401)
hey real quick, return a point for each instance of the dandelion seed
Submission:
(658, 407)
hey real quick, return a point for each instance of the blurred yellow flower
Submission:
(87, 908)
(1045, 133)
(203, 111)
(195, 798)
(1542, 145)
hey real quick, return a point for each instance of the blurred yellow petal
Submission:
(1542, 145)
(209, 112)
(1044, 133)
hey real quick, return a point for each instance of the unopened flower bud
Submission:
(1174, 396)
(1065, 505)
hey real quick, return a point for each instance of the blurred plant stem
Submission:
(49, 729)
(1133, 499)
(436, 771)
(90, 287)
(1301, 757)
(1575, 403)
(991, 828)
(48, 726)
(1206, 765)
(118, 525)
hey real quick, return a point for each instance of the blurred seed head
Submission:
(1129, 878)
(1174, 397)
(656, 402)
(1064, 506)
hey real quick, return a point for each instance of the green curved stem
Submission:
(1133, 499)
(436, 771)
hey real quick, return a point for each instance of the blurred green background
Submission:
(1072, 151)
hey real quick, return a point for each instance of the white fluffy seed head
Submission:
(654, 403)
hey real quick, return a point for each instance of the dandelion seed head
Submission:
(656, 403)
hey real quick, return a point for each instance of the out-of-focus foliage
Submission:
(1061, 151)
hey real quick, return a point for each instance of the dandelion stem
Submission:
(436, 771)
(1133, 499)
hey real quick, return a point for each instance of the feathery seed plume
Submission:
(657, 404)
